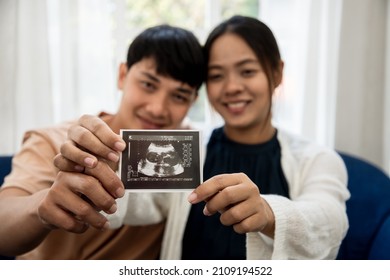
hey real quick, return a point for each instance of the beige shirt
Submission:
(33, 170)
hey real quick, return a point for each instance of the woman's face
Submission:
(237, 84)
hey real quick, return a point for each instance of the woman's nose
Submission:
(233, 84)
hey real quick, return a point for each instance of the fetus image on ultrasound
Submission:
(161, 160)
(164, 160)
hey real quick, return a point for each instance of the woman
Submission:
(267, 194)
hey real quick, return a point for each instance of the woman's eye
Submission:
(214, 77)
(248, 72)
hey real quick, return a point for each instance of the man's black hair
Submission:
(176, 51)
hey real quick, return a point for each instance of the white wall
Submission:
(387, 96)
(361, 103)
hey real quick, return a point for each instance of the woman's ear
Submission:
(122, 72)
(278, 74)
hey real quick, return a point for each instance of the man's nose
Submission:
(158, 105)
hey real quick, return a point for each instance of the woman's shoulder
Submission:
(303, 149)
(302, 157)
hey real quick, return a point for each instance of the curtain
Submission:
(24, 70)
(308, 37)
(56, 63)
(362, 110)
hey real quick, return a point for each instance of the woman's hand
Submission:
(239, 202)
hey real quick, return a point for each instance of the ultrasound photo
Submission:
(161, 160)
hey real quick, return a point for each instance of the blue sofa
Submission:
(368, 210)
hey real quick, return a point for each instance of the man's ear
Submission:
(122, 72)
(278, 74)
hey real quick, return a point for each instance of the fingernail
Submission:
(113, 209)
(113, 157)
(89, 162)
(206, 211)
(119, 146)
(192, 197)
(106, 225)
(79, 168)
(120, 192)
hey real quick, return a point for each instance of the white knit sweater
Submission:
(309, 225)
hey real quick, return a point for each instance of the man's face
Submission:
(150, 100)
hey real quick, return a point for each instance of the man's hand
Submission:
(87, 182)
(75, 199)
(91, 138)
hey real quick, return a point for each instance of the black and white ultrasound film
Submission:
(160, 160)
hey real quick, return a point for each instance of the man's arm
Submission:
(21, 228)
(73, 203)
(37, 199)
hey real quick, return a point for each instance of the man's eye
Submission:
(180, 98)
(148, 85)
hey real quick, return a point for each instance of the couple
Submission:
(266, 195)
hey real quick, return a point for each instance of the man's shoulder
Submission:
(55, 133)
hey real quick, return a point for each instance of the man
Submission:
(48, 214)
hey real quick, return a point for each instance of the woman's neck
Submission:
(251, 135)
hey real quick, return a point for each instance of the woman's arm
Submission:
(312, 224)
